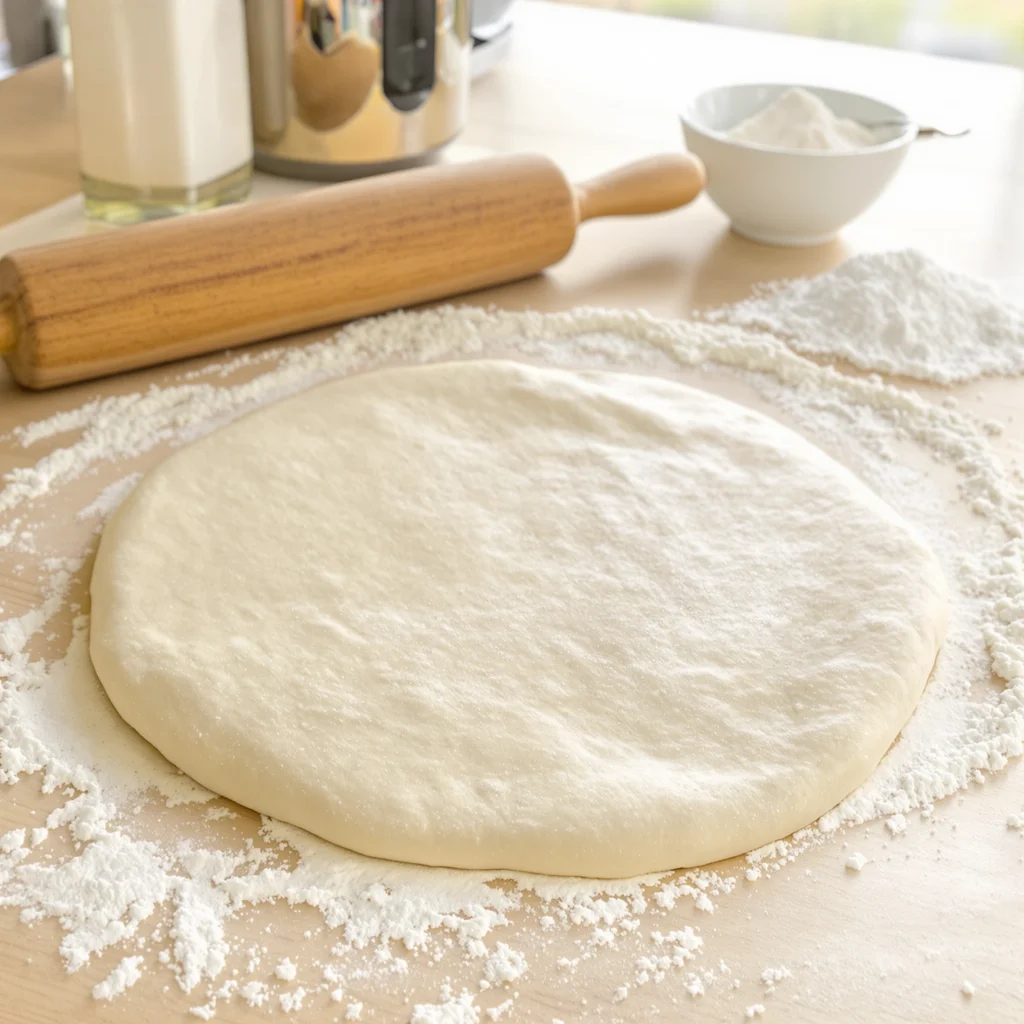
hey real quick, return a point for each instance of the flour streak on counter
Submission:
(117, 885)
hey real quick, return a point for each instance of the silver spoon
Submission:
(922, 129)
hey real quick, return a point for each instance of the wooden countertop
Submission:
(940, 905)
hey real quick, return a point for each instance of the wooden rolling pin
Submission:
(123, 299)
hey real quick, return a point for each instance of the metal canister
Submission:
(343, 88)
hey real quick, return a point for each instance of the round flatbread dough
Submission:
(487, 615)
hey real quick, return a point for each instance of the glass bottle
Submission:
(162, 101)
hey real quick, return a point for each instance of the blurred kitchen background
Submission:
(989, 30)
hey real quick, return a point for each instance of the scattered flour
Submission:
(967, 989)
(121, 978)
(255, 993)
(109, 498)
(218, 813)
(754, 1011)
(799, 119)
(499, 1011)
(897, 824)
(504, 965)
(892, 312)
(1015, 821)
(677, 949)
(454, 1010)
(292, 1001)
(55, 721)
(772, 976)
(856, 862)
(12, 841)
(286, 970)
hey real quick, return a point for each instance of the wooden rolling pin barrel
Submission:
(123, 299)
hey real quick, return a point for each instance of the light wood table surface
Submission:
(943, 903)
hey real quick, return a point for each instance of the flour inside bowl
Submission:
(799, 119)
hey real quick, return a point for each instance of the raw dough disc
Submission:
(489, 615)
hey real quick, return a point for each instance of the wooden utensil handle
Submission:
(653, 185)
(123, 299)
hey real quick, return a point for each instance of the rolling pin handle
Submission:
(653, 185)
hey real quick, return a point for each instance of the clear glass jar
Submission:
(162, 99)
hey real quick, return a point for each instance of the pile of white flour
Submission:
(113, 888)
(898, 313)
(799, 119)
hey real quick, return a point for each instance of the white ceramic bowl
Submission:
(791, 196)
